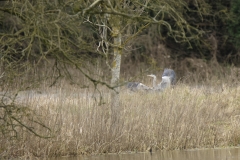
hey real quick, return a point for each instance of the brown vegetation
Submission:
(54, 99)
(180, 118)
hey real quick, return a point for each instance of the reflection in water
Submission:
(203, 154)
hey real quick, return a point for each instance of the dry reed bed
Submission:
(180, 118)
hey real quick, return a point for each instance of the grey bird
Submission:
(168, 79)
(171, 74)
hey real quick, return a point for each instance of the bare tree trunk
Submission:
(116, 64)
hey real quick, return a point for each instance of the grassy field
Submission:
(182, 117)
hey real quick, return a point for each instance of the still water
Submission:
(203, 154)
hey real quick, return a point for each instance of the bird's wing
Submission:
(132, 84)
(170, 73)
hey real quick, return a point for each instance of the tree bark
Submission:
(116, 64)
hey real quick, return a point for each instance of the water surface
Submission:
(196, 154)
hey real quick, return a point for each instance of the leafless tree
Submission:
(40, 31)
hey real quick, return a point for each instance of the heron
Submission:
(168, 79)
(171, 74)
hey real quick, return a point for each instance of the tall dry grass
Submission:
(179, 118)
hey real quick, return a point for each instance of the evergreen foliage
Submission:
(234, 23)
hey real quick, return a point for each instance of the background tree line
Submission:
(218, 41)
(28, 30)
